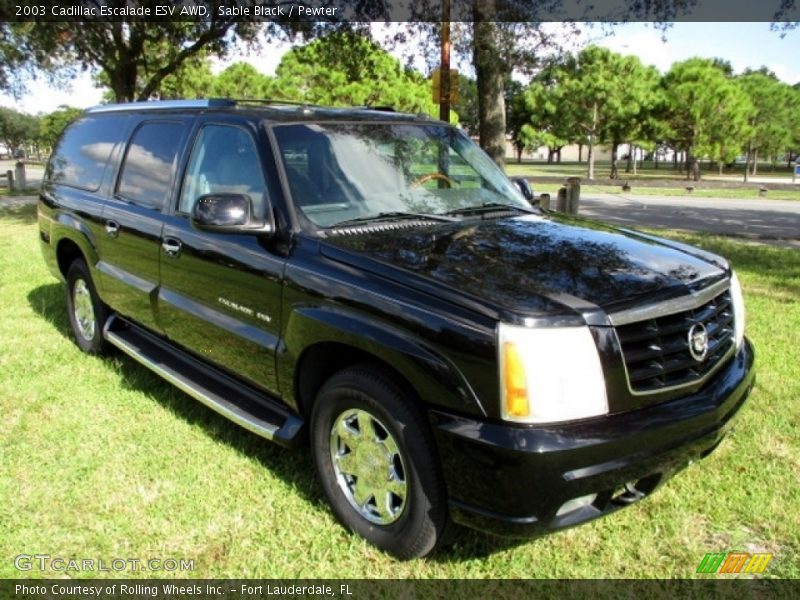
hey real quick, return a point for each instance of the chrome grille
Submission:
(656, 351)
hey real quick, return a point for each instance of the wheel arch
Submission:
(320, 341)
(74, 239)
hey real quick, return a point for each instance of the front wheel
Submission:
(377, 462)
(87, 313)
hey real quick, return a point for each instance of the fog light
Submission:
(575, 504)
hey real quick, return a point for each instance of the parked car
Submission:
(370, 283)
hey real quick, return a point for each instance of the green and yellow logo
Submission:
(731, 563)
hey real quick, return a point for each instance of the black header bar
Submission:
(341, 11)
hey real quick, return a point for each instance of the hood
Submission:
(533, 265)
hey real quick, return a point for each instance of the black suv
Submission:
(372, 284)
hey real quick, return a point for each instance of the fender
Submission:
(436, 380)
(68, 226)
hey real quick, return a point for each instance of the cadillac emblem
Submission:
(698, 342)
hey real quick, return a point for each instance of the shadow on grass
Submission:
(17, 214)
(294, 467)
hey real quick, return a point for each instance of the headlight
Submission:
(549, 374)
(738, 310)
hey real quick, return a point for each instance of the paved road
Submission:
(762, 218)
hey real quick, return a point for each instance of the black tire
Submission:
(410, 523)
(87, 313)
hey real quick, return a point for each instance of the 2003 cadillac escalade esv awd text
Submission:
(372, 284)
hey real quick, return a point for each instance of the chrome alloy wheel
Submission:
(83, 309)
(368, 466)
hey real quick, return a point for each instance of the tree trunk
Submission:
(580, 153)
(755, 162)
(614, 173)
(629, 166)
(519, 154)
(747, 162)
(635, 171)
(720, 167)
(123, 82)
(549, 156)
(591, 141)
(489, 72)
(675, 159)
(558, 159)
(692, 167)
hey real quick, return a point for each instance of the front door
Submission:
(220, 293)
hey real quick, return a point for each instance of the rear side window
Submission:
(149, 165)
(82, 154)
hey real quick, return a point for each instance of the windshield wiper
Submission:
(488, 207)
(394, 216)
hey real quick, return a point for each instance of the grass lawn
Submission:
(663, 182)
(744, 194)
(101, 459)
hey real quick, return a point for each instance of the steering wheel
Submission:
(432, 176)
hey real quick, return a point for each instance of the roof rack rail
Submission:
(380, 107)
(275, 101)
(164, 105)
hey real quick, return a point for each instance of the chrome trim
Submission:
(701, 381)
(219, 405)
(668, 307)
(162, 105)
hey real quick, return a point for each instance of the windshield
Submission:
(338, 172)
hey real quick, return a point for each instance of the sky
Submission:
(742, 44)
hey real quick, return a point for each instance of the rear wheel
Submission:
(377, 463)
(87, 313)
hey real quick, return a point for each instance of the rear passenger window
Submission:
(149, 165)
(82, 154)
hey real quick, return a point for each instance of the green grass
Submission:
(101, 459)
(31, 191)
(663, 181)
(744, 194)
(645, 171)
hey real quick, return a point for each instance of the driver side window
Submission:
(224, 160)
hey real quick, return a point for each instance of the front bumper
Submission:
(514, 480)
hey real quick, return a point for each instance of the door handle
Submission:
(171, 247)
(112, 229)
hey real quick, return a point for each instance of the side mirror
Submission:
(228, 213)
(525, 188)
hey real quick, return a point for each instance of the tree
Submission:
(52, 124)
(467, 104)
(547, 113)
(596, 95)
(135, 55)
(633, 98)
(775, 108)
(346, 68)
(242, 80)
(192, 79)
(706, 110)
(17, 128)
(517, 117)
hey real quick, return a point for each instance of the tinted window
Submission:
(224, 160)
(82, 154)
(340, 171)
(149, 164)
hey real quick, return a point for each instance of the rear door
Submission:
(133, 219)
(220, 293)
